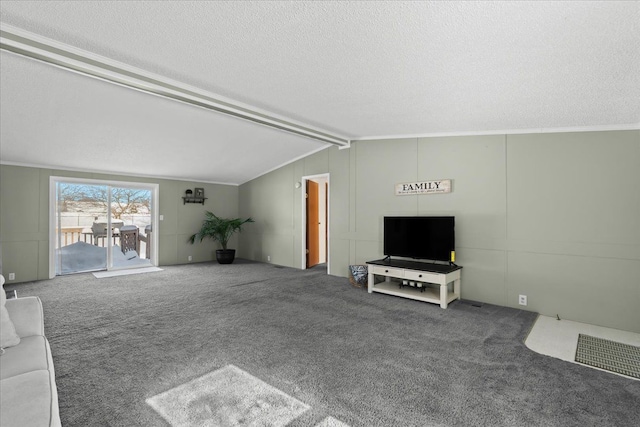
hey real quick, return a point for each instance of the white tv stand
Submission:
(422, 272)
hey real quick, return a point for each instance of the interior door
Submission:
(313, 233)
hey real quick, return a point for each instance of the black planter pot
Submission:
(225, 256)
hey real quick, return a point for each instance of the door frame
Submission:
(155, 215)
(303, 188)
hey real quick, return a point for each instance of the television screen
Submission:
(421, 237)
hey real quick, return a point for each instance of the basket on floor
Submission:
(358, 275)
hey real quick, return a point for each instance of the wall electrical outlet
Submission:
(12, 276)
(268, 258)
(522, 300)
(190, 258)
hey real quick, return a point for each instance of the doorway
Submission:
(101, 225)
(315, 221)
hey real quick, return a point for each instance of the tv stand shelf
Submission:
(421, 272)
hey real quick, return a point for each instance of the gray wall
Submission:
(553, 216)
(24, 218)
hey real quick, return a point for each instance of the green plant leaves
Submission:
(219, 229)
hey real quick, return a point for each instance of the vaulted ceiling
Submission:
(355, 70)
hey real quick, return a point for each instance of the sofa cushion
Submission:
(27, 316)
(30, 355)
(28, 400)
(8, 335)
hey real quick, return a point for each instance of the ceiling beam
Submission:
(13, 39)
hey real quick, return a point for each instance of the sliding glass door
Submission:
(101, 225)
(77, 248)
(131, 221)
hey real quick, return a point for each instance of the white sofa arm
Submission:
(26, 315)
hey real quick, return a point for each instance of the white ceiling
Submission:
(362, 70)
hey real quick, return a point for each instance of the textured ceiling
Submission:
(50, 116)
(359, 69)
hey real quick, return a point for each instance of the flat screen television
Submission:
(420, 237)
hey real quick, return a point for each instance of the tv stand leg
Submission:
(443, 295)
(370, 280)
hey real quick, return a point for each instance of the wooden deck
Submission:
(71, 235)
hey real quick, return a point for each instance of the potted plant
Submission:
(220, 229)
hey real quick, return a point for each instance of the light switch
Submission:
(161, 217)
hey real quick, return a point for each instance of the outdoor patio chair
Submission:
(87, 232)
(99, 231)
(130, 239)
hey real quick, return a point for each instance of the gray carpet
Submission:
(363, 359)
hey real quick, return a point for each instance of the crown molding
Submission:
(112, 173)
